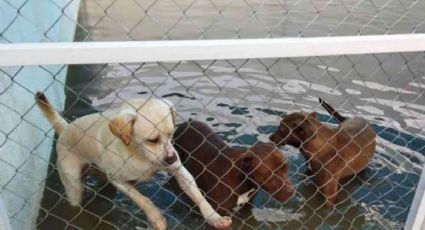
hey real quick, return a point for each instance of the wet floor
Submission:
(243, 99)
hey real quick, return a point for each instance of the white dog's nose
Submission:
(171, 153)
(170, 150)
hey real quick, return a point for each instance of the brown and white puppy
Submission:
(144, 129)
(224, 173)
(332, 153)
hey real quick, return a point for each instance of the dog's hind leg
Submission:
(327, 183)
(69, 168)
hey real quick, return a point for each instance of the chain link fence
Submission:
(241, 100)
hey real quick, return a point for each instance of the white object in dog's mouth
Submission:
(243, 199)
(275, 215)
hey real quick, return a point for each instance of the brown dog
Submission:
(333, 153)
(225, 173)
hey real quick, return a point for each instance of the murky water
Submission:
(243, 99)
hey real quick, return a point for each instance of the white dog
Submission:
(144, 129)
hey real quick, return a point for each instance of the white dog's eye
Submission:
(154, 140)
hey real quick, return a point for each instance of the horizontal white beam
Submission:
(151, 51)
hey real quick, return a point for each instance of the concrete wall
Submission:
(25, 136)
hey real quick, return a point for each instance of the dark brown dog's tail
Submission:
(332, 111)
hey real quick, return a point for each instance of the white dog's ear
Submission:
(122, 126)
(172, 110)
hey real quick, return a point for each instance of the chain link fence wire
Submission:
(241, 100)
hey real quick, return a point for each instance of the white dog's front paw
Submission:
(158, 221)
(75, 196)
(220, 222)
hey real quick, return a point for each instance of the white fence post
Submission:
(416, 217)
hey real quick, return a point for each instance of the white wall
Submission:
(24, 147)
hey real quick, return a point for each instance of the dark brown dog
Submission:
(333, 153)
(225, 173)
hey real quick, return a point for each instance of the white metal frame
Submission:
(152, 51)
(416, 218)
(162, 51)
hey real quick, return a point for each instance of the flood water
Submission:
(242, 100)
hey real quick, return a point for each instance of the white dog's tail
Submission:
(50, 113)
